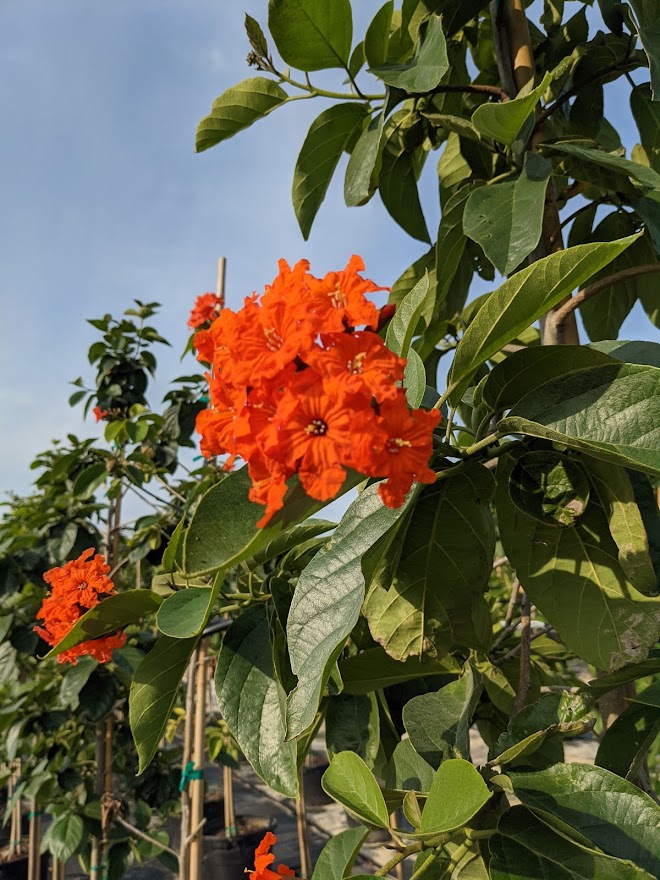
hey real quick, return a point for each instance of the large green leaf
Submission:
(374, 669)
(364, 164)
(377, 36)
(351, 783)
(312, 34)
(327, 602)
(426, 69)
(74, 680)
(506, 219)
(352, 724)
(573, 575)
(428, 592)
(337, 856)
(521, 300)
(610, 411)
(626, 741)
(503, 121)
(647, 16)
(252, 701)
(449, 249)
(650, 696)
(397, 180)
(110, 615)
(604, 683)
(402, 327)
(325, 142)
(65, 835)
(641, 174)
(238, 108)
(438, 724)
(408, 771)
(647, 116)
(630, 352)
(625, 521)
(607, 810)
(524, 370)
(457, 794)
(527, 849)
(184, 614)
(153, 692)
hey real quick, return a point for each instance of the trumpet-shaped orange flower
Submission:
(206, 308)
(263, 858)
(361, 362)
(338, 300)
(99, 413)
(77, 586)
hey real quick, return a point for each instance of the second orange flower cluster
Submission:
(302, 383)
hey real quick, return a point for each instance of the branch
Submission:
(151, 840)
(558, 317)
(524, 678)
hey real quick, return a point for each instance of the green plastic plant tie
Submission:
(189, 773)
(33, 814)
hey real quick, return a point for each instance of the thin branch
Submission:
(546, 631)
(151, 840)
(599, 286)
(475, 88)
(170, 489)
(524, 678)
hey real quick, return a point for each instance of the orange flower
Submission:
(99, 413)
(76, 587)
(313, 431)
(263, 858)
(338, 301)
(206, 308)
(400, 451)
(360, 361)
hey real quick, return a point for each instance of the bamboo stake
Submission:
(187, 749)
(197, 785)
(15, 824)
(230, 814)
(220, 283)
(57, 869)
(34, 858)
(96, 854)
(301, 826)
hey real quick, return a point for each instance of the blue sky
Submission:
(104, 199)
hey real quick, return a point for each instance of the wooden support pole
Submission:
(303, 835)
(228, 792)
(197, 785)
(220, 283)
(34, 858)
(186, 756)
(97, 852)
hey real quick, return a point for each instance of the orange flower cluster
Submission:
(263, 858)
(207, 307)
(77, 586)
(99, 413)
(301, 383)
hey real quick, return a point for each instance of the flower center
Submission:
(396, 444)
(316, 428)
(337, 297)
(273, 339)
(355, 366)
(83, 585)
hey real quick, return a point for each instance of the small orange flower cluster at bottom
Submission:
(298, 388)
(76, 587)
(207, 307)
(263, 858)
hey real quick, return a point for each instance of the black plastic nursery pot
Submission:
(17, 868)
(226, 858)
(214, 813)
(312, 770)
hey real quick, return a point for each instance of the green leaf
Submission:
(524, 370)
(296, 537)
(397, 180)
(169, 561)
(650, 696)
(110, 615)
(377, 37)
(521, 300)
(325, 142)
(610, 812)
(237, 108)
(74, 680)
(604, 683)
(338, 855)
(184, 614)
(327, 602)
(643, 175)
(549, 487)
(573, 575)
(449, 250)
(457, 794)
(65, 835)
(438, 724)
(506, 219)
(374, 669)
(425, 70)
(153, 692)
(626, 741)
(408, 771)
(630, 352)
(410, 608)
(363, 164)
(647, 116)
(503, 121)
(626, 525)
(352, 724)
(253, 702)
(402, 327)
(351, 783)
(414, 379)
(526, 849)
(647, 17)
(312, 34)
(256, 36)
(577, 410)
(88, 481)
